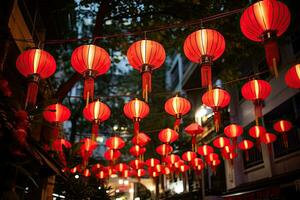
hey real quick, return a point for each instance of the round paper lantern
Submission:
(228, 148)
(283, 126)
(245, 145)
(86, 149)
(211, 157)
(268, 138)
(221, 142)
(204, 46)
(205, 150)
(126, 173)
(86, 173)
(136, 150)
(177, 107)
(115, 142)
(90, 61)
(189, 156)
(35, 64)
(229, 156)
(256, 91)
(136, 110)
(257, 131)
(145, 56)
(120, 167)
(194, 129)
(264, 21)
(168, 135)
(140, 172)
(101, 174)
(141, 139)
(216, 99)
(153, 174)
(56, 114)
(292, 77)
(158, 168)
(183, 168)
(96, 168)
(196, 162)
(178, 163)
(136, 164)
(172, 158)
(152, 162)
(233, 131)
(164, 149)
(96, 112)
(166, 170)
(112, 154)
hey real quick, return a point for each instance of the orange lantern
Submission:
(164, 149)
(177, 106)
(168, 135)
(204, 46)
(221, 142)
(146, 56)
(264, 21)
(56, 114)
(245, 145)
(115, 142)
(283, 126)
(256, 91)
(136, 110)
(35, 64)
(216, 99)
(233, 131)
(292, 77)
(96, 112)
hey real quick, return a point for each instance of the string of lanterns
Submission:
(263, 21)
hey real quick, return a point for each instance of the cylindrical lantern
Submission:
(146, 56)
(264, 21)
(292, 77)
(283, 126)
(35, 64)
(204, 46)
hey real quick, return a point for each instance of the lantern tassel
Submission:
(258, 109)
(136, 127)
(258, 146)
(95, 128)
(88, 89)
(177, 124)
(146, 84)
(194, 143)
(285, 140)
(247, 155)
(272, 55)
(62, 158)
(217, 120)
(55, 132)
(270, 150)
(206, 75)
(32, 92)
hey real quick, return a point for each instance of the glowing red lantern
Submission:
(164, 149)
(136, 164)
(229, 156)
(257, 131)
(211, 157)
(141, 139)
(90, 61)
(256, 91)
(136, 110)
(204, 46)
(136, 150)
(183, 168)
(86, 173)
(292, 77)
(205, 150)
(168, 135)
(221, 142)
(166, 170)
(120, 167)
(264, 21)
(112, 154)
(115, 142)
(189, 156)
(268, 139)
(96, 168)
(177, 107)
(86, 149)
(233, 131)
(56, 114)
(178, 163)
(96, 112)
(216, 99)
(153, 174)
(140, 172)
(228, 148)
(283, 126)
(172, 159)
(102, 174)
(194, 129)
(158, 168)
(35, 64)
(245, 145)
(152, 162)
(145, 56)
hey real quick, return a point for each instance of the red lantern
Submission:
(292, 77)
(145, 56)
(136, 110)
(86, 149)
(35, 64)
(96, 112)
(158, 168)
(283, 126)
(140, 173)
(120, 167)
(152, 162)
(268, 139)
(115, 142)
(177, 106)
(216, 99)
(205, 150)
(228, 149)
(136, 150)
(102, 174)
(196, 162)
(56, 113)
(229, 156)
(126, 173)
(86, 173)
(183, 168)
(141, 139)
(264, 21)
(204, 46)
(96, 168)
(136, 164)
(194, 129)
(172, 159)
(221, 142)
(233, 131)
(168, 135)
(90, 61)
(164, 149)
(189, 156)
(153, 174)
(245, 145)
(166, 170)
(256, 91)
(211, 157)
(112, 154)
(257, 131)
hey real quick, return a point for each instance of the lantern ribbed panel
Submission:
(90, 57)
(36, 61)
(292, 77)
(264, 16)
(256, 90)
(96, 111)
(168, 135)
(136, 109)
(177, 106)
(146, 52)
(115, 142)
(216, 98)
(56, 113)
(204, 42)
